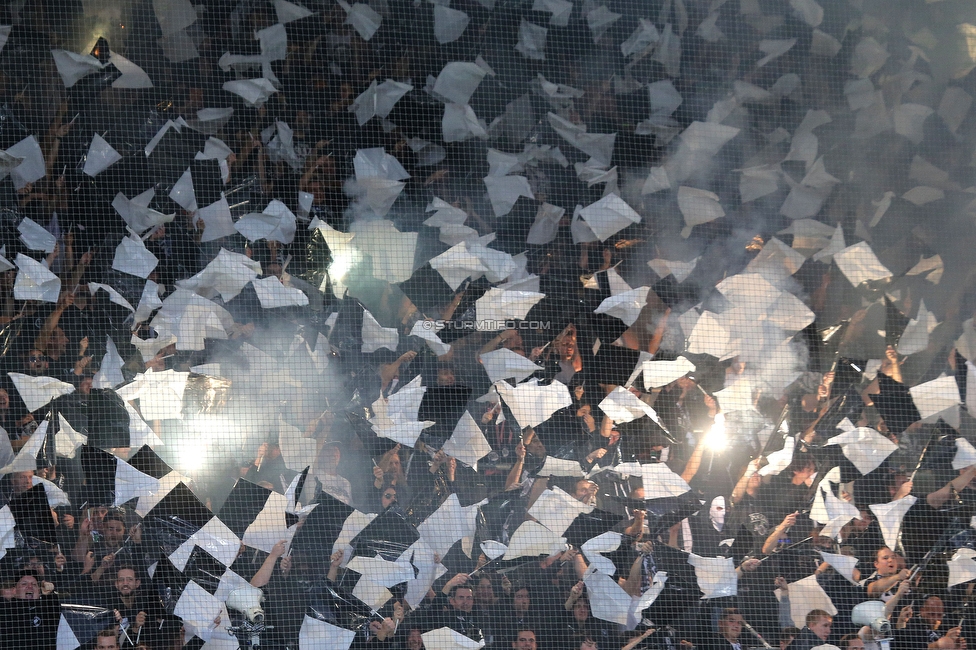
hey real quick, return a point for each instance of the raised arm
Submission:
(263, 576)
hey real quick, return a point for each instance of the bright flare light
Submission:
(342, 264)
(192, 457)
(717, 439)
(207, 430)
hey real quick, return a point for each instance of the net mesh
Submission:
(591, 325)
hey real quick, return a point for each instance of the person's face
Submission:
(126, 582)
(524, 641)
(886, 562)
(4, 399)
(585, 491)
(463, 599)
(932, 611)
(37, 363)
(731, 626)
(27, 588)
(414, 640)
(535, 447)
(36, 566)
(755, 481)
(587, 644)
(85, 386)
(862, 522)
(785, 643)
(821, 627)
(445, 377)
(330, 457)
(637, 493)
(581, 610)
(803, 473)
(394, 464)
(114, 531)
(107, 643)
(521, 600)
(22, 481)
(59, 343)
(388, 498)
(855, 644)
(484, 594)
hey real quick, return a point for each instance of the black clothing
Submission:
(30, 623)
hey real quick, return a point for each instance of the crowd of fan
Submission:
(104, 558)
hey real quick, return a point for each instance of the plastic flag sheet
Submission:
(460, 324)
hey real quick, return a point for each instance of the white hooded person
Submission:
(704, 533)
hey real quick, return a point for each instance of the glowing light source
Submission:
(342, 264)
(717, 439)
(207, 432)
(192, 457)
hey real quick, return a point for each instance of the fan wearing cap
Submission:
(29, 613)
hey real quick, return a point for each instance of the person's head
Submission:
(28, 587)
(809, 402)
(786, 636)
(730, 624)
(716, 512)
(533, 444)
(462, 598)
(36, 362)
(819, 622)
(802, 468)
(126, 582)
(753, 484)
(895, 481)
(388, 496)
(521, 600)
(585, 491)
(445, 374)
(36, 565)
(390, 463)
(581, 609)
(484, 591)
(932, 611)
(329, 457)
(114, 529)
(20, 482)
(4, 399)
(851, 642)
(886, 562)
(524, 640)
(107, 640)
(862, 522)
(415, 641)
(57, 343)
